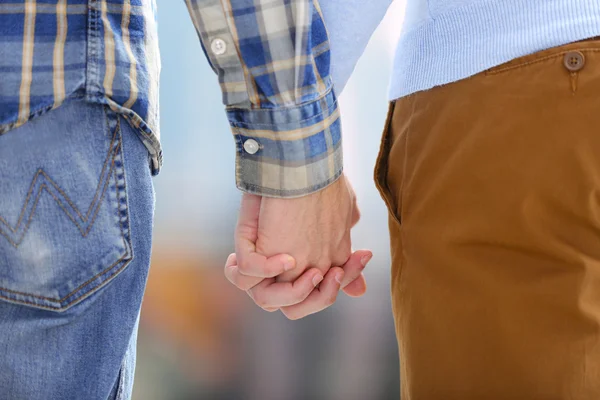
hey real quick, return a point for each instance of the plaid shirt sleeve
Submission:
(272, 58)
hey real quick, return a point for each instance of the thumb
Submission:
(354, 284)
(250, 263)
(357, 287)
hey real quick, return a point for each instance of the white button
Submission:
(218, 46)
(251, 146)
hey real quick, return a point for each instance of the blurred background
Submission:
(200, 338)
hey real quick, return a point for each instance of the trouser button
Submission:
(574, 61)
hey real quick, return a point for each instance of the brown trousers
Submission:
(493, 188)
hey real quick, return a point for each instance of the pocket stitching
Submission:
(382, 165)
(403, 193)
(123, 259)
(110, 157)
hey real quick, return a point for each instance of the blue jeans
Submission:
(76, 212)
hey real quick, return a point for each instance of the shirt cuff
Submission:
(288, 152)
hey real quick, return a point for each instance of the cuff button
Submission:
(218, 46)
(251, 146)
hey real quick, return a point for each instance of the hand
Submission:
(315, 230)
(303, 297)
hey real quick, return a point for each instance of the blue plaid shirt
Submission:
(272, 59)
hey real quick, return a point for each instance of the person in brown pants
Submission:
(490, 168)
(493, 189)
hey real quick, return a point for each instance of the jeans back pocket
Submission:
(64, 224)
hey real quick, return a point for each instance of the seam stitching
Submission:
(114, 152)
(498, 70)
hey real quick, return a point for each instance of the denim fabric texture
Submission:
(105, 51)
(272, 57)
(76, 211)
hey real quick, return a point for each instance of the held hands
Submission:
(295, 255)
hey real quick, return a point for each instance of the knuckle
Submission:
(302, 263)
(343, 255)
(323, 264)
(355, 217)
(243, 265)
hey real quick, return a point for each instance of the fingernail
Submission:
(289, 264)
(317, 279)
(338, 277)
(365, 260)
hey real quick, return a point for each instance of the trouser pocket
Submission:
(64, 221)
(382, 167)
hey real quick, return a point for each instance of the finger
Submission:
(242, 282)
(320, 298)
(251, 263)
(357, 287)
(256, 265)
(355, 265)
(271, 294)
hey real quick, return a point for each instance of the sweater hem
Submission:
(465, 41)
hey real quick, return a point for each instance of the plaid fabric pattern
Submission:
(272, 58)
(103, 51)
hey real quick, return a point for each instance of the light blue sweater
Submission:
(444, 41)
